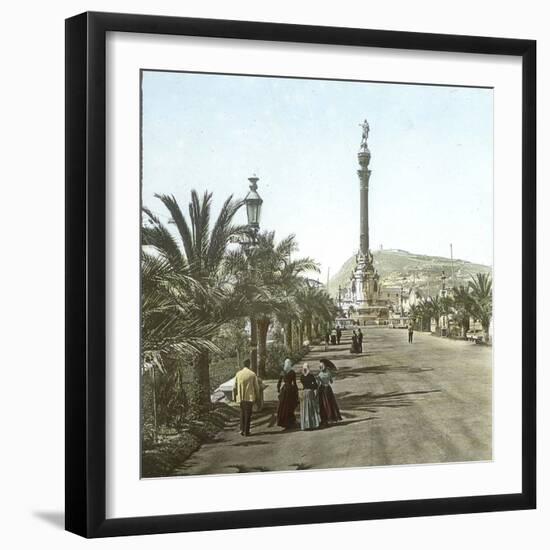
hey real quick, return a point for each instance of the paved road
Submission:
(401, 403)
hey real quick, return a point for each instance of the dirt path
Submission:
(401, 404)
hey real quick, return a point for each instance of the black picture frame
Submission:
(86, 272)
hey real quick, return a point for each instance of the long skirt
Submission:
(328, 407)
(309, 411)
(288, 401)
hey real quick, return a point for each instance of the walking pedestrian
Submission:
(333, 337)
(410, 328)
(360, 340)
(246, 392)
(327, 339)
(354, 343)
(328, 407)
(288, 399)
(309, 406)
(338, 334)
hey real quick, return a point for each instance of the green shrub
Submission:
(161, 459)
(276, 355)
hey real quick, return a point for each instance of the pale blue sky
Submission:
(431, 146)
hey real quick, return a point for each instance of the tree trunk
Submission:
(155, 427)
(465, 327)
(485, 326)
(316, 330)
(288, 336)
(263, 327)
(199, 398)
(253, 344)
(309, 330)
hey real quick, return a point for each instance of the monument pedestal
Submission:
(369, 308)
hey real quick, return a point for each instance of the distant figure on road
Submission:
(354, 343)
(288, 400)
(327, 339)
(328, 407)
(246, 392)
(338, 334)
(360, 340)
(410, 331)
(333, 337)
(309, 406)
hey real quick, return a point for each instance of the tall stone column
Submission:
(364, 175)
(368, 307)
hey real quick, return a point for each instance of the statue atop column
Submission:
(365, 135)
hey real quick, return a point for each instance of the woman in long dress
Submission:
(288, 397)
(354, 343)
(328, 407)
(309, 406)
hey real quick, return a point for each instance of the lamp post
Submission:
(253, 203)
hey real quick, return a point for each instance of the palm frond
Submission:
(159, 237)
(222, 232)
(178, 218)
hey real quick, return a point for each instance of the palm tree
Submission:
(197, 257)
(423, 312)
(168, 321)
(168, 329)
(415, 313)
(315, 307)
(433, 309)
(481, 288)
(462, 306)
(267, 278)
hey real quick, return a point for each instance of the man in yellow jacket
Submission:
(246, 392)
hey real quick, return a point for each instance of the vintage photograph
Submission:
(316, 274)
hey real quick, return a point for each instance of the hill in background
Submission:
(398, 267)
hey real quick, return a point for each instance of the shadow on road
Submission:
(371, 402)
(348, 422)
(351, 372)
(249, 443)
(302, 466)
(244, 469)
(352, 420)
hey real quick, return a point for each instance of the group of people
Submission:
(356, 341)
(333, 336)
(318, 405)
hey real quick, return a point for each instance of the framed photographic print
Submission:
(300, 274)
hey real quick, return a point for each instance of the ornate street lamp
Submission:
(253, 203)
